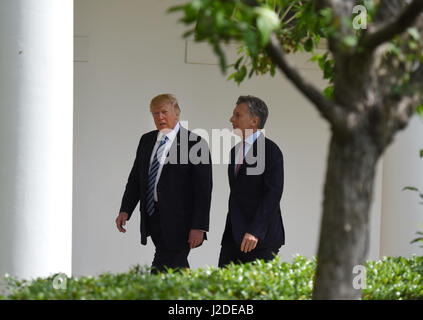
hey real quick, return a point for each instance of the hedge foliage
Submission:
(390, 278)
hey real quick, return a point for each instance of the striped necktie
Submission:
(152, 175)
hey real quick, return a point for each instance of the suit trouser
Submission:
(231, 252)
(165, 257)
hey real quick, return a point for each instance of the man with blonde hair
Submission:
(174, 192)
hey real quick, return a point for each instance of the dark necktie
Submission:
(241, 160)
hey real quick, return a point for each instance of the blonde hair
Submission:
(165, 98)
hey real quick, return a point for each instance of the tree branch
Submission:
(334, 113)
(385, 33)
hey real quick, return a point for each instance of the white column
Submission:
(36, 126)
(402, 215)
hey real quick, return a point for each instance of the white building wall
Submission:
(402, 211)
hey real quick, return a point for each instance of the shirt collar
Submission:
(170, 135)
(252, 138)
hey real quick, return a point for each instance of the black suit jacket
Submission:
(184, 188)
(254, 199)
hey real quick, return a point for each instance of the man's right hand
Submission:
(121, 221)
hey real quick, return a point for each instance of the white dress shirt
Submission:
(249, 141)
(170, 137)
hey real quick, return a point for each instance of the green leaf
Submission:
(250, 41)
(410, 189)
(328, 69)
(175, 8)
(232, 76)
(188, 33)
(190, 13)
(414, 33)
(267, 22)
(240, 75)
(413, 45)
(329, 92)
(350, 41)
(222, 59)
(316, 57)
(417, 240)
(308, 45)
(394, 49)
(236, 66)
(273, 71)
(251, 73)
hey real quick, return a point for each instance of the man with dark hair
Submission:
(254, 228)
(174, 192)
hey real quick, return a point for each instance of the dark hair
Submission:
(256, 107)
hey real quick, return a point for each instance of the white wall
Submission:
(402, 213)
(133, 51)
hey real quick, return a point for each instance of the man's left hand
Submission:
(248, 243)
(195, 238)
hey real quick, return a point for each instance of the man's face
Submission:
(165, 117)
(242, 120)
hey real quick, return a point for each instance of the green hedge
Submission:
(391, 278)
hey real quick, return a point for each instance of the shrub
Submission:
(395, 278)
(391, 278)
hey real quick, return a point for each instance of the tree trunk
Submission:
(344, 235)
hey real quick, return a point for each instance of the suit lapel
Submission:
(231, 166)
(147, 154)
(145, 162)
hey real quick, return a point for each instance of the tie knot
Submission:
(163, 141)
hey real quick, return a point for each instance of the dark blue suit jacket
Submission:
(184, 188)
(254, 198)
